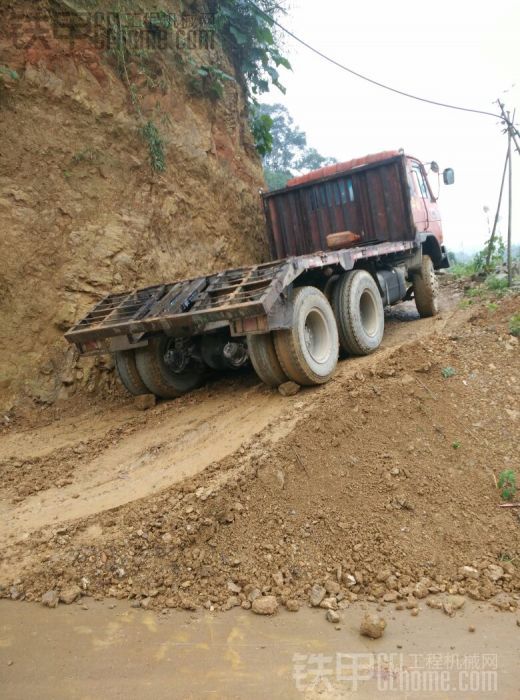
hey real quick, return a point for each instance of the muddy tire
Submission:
(359, 313)
(426, 289)
(128, 374)
(264, 359)
(308, 351)
(158, 377)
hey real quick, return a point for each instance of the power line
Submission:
(371, 80)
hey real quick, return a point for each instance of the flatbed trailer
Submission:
(290, 316)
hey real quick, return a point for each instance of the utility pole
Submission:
(512, 136)
(497, 214)
(510, 213)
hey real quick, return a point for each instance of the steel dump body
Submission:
(368, 196)
(247, 300)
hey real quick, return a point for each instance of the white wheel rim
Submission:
(368, 313)
(316, 336)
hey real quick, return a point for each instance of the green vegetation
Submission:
(514, 325)
(507, 484)
(6, 72)
(90, 155)
(448, 372)
(456, 445)
(249, 38)
(208, 80)
(155, 143)
(288, 152)
(478, 263)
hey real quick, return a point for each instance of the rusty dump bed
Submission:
(242, 299)
(367, 196)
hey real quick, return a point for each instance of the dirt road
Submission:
(102, 459)
(113, 652)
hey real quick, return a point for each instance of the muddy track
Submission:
(100, 460)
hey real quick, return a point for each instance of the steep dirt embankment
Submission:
(81, 210)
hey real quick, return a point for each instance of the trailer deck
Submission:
(241, 298)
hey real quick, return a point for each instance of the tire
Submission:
(359, 313)
(308, 351)
(128, 374)
(158, 377)
(426, 289)
(264, 359)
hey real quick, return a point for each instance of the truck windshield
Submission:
(420, 184)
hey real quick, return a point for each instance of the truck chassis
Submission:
(248, 300)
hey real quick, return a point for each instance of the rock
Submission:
(70, 594)
(469, 572)
(266, 605)
(254, 594)
(289, 388)
(233, 602)
(144, 402)
(278, 579)
(50, 599)
(349, 580)
(503, 601)
(372, 626)
(332, 587)
(420, 590)
(316, 595)
(390, 597)
(471, 628)
(329, 604)
(292, 605)
(495, 572)
(453, 603)
(233, 588)
(332, 616)
(383, 575)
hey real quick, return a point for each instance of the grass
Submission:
(514, 325)
(507, 484)
(448, 372)
(155, 142)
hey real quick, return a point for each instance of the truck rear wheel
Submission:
(426, 289)
(264, 359)
(308, 351)
(159, 378)
(128, 374)
(359, 313)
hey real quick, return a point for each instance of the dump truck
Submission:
(345, 241)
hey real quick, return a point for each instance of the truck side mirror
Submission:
(448, 176)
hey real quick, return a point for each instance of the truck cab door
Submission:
(424, 205)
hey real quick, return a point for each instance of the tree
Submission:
(289, 153)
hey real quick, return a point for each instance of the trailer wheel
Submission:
(426, 289)
(160, 379)
(128, 374)
(359, 313)
(264, 359)
(308, 351)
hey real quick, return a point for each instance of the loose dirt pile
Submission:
(382, 486)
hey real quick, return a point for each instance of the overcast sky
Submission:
(454, 51)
